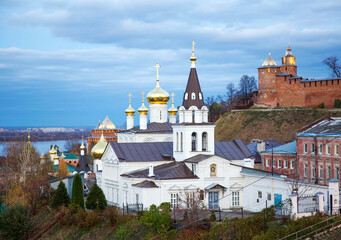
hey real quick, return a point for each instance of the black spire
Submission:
(82, 164)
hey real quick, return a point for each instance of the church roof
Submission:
(107, 124)
(269, 62)
(143, 152)
(193, 86)
(234, 150)
(153, 128)
(82, 164)
(174, 170)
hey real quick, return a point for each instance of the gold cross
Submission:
(142, 96)
(193, 43)
(157, 66)
(129, 98)
(173, 98)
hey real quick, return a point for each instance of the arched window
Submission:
(204, 141)
(186, 96)
(200, 96)
(213, 170)
(194, 141)
(181, 142)
(160, 115)
(193, 95)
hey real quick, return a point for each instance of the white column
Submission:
(198, 116)
(158, 113)
(130, 121)
(319, 196)
(172, 119)
(293, 198)
(143, 121)
(188, 116)
(334, 191)
(204, 114)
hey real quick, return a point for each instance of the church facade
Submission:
(280, 86)
(171, 160)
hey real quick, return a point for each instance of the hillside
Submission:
(268, 125)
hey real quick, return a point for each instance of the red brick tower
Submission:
(288, 62)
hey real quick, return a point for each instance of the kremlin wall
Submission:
(280, 86)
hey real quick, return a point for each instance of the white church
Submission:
(174, 154)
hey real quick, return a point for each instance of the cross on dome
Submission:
(157, 66)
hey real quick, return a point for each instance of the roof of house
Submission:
(268, 144)
(71, 157)
(289, 148)
(326, 128)
(174, 170)
(234, 150)
(153, 128)
(146, 184)
(143, 152)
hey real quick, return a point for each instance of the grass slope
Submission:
(268, 125)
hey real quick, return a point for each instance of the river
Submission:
(42, 147)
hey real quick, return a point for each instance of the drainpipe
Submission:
(315, 159)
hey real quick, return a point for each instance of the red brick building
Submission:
(317, 150)
(280, 86)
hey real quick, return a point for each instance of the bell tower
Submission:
(288, 62)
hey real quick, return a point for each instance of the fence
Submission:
(132, 208)
(307, 204)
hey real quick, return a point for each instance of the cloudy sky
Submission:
(70, 63)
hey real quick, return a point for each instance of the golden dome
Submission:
(172, 110)
(157, 95)
(82, 146)
(269, 62)
(143, 110)
(98, 150)
(53, 151)
(130, 111)
(56, 157)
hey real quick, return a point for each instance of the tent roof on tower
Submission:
(143, 152)
(82, 164)
(107, 124)
(193, 95)
(174, 170)
(153, 128)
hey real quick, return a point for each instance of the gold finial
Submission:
(129, 98)
(29, 135)
(157, 66)
(193, 43)
(173, 97)
(193, 58)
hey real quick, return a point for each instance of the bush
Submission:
(158, 218)
(213, 217)
(337, 103)
(133, 229)
(60, 197)
(84, 219)
(15, 222)
(77, 191)
(321, 105)
(96, 199)
(70, 213)
(112, 214)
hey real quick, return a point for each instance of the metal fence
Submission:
(307, 204)
(132, 208)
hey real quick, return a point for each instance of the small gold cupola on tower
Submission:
(130, 112)
(158, 95)
(143, 111)
(288, 59)
(172, 111)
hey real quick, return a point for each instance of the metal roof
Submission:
(152, 128)
(234, 150)
(174, 170)
(268, 144)
(146, 184)
(325, 128)
(285, 148)
(193, 86)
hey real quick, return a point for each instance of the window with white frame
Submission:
(186, 96)
(285, 163)
(336, 149)
(320, 148)
(305, 147)
(321, 171)
(313, 172)
(267, 162)
(193, 96)
(200, 96)
(235, 199)
(279, 163)
(292, 164)
(269, 197)
(313, 147)
(328, 149)
(305, 170)
(260, 195)
(174, 199)
(274, 163)
(337, 173)
(329, 172)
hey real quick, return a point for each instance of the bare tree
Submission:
(247, 86)
(332, 63)
(231, 92)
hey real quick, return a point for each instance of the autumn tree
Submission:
(332, 64)
(63, 171)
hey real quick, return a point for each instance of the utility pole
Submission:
(272, 159)
(316, 170)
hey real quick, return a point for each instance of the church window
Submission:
(160, 115)
(235, 199)
(213, 170)
(193, 96)
(194, 141)
(174, 199)
(204, 141)
(186, 96)
(177, 141)
(200, 96)
(181, 142)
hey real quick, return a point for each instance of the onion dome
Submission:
(98, 150)
(62, 156)
(130, 111)
(42, 157)
(53, 151)
(172, 110)
(158, 95)
(82, 146)
(107, 124)
(269, 62)
(56, 157)
(143, 110)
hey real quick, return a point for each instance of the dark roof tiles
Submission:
(193, 86)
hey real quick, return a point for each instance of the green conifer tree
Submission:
(96, 199)
(77, 196)
(60, 197)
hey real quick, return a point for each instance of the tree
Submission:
(77, 197)
(230, 92)
(72, 147)
(337, 103)
(63, 171)
(96, 199)
(15, 222)
(60, 197)
(158, 218)
(332, 63)
(247, 85)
